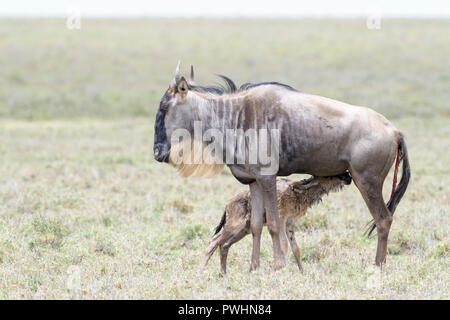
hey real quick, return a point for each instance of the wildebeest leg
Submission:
(370, 187)
(269, 190)
(295, 249)
(256, 222)
(226, 246)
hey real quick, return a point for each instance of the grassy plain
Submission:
(85, 211)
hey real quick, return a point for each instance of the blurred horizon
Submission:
(117, 69)
(228, 9)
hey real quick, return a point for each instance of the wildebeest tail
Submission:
(406, 175)
(221, 223)
(398, 193)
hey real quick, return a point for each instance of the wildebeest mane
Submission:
(230, 87)
(218, 89)
(249, 85)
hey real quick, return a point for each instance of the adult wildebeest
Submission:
(317, 136)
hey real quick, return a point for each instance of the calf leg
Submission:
(269, 190)
(283, 236)
(215, 242)
(226, 246)
(256, 222)
(295, 249)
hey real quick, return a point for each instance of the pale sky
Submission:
(227, 8)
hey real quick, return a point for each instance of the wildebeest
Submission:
(294, 198)
(317, 136)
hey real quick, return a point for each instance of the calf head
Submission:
(327, 184)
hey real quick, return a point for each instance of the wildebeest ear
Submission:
(182, 87)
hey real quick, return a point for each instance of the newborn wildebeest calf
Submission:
(294, 198)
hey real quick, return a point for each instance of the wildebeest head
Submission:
(173, 113)
(174, 140)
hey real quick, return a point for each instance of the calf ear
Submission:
(304, 185)
(182, 87)
(298, 187)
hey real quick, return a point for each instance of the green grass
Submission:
(80, 193)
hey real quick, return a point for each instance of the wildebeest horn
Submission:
(177, 75)
(191, 77)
